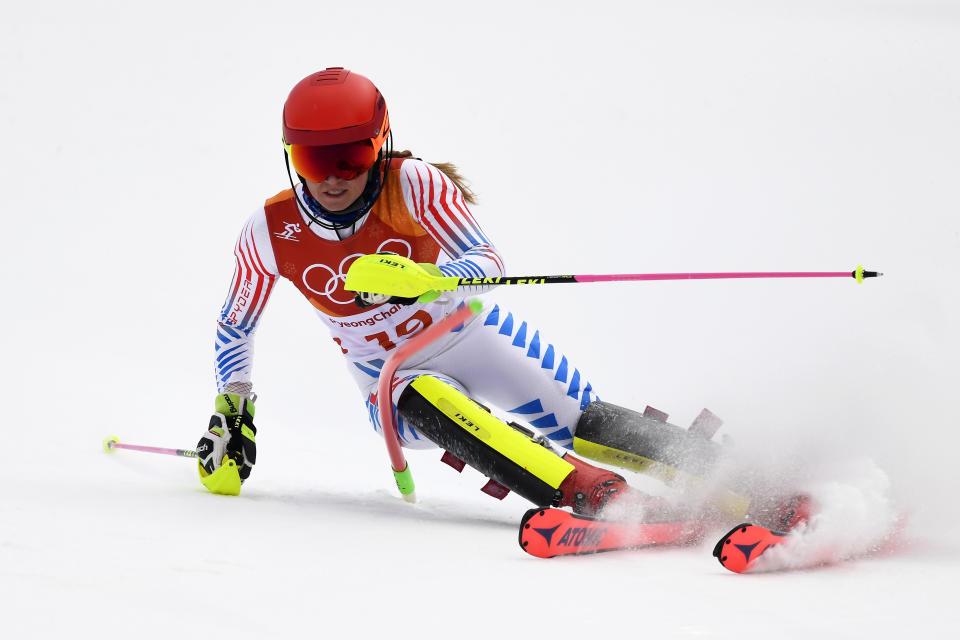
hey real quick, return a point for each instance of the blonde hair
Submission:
(450, 170)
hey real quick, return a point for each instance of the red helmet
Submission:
(335, 123)
(335, 106)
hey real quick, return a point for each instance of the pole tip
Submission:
(859, 274)
(109, 442)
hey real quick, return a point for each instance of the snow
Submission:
(601, 138)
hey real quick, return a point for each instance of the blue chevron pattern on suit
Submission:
(553, 364)
(232, 347)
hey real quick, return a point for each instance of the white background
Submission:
(601, 137)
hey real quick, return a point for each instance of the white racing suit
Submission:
(496, 358)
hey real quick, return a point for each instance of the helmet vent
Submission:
(333, 74)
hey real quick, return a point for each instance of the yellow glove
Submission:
(228, 450)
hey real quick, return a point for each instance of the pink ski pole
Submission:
(857, 274)
(401, 470)
(111, 444)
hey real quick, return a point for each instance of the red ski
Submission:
(548, 532)
(739, 550)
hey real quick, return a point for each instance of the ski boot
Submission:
(793, 513)
(782, 515)
(599, 493)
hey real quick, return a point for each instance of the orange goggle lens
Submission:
(345, 161)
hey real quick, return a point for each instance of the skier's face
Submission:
(336, 194)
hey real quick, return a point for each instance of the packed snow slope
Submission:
(601, 137)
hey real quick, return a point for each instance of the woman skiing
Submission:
(355, 196)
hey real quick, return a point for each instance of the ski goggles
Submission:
(346, 161)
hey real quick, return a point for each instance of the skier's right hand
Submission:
(364, 300)
(415, 271)
(228, 450)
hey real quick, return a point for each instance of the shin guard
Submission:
(631, 440)
(501, 452)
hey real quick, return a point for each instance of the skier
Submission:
(356, 196)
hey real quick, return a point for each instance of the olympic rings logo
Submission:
(332, 287)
